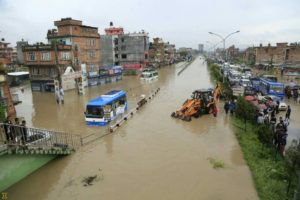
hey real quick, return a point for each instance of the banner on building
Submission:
(132, 66)
(69, 77)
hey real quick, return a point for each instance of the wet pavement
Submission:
(152, 156)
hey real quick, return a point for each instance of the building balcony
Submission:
(42, 77)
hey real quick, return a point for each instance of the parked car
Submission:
(245, 82)
(249, 91)
(271, 98)
(233, 76)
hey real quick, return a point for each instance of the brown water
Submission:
(152, 156)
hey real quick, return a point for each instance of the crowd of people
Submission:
(279, 129)
(268, 117)
(16, 133)
(292, 93)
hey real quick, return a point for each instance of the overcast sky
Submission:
(182, 22)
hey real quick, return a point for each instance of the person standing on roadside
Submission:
(296, 95)
(282, 142)
(288, 112)
(57, 96)
(23, 129)
(16, 130)
(215, 110)
(226, 107)
(7, 130)
(277, 107)
(61, 95)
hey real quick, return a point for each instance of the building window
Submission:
(91, 54)
(31, 56)
(146, 56)
(46, 56)
(65, 55)
(122, 40)
(35, 71)
(124, 56)
(52, 72)
(116, 41)
(116, 55)
(90, 42)
(92, 68)
(123, 47)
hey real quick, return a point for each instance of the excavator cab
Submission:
(200, 103)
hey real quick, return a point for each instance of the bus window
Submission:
(96, 112)
(276, 88)
(122, 101)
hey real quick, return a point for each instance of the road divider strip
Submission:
(131, 113)
(184, 68)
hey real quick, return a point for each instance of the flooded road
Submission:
(152, 156)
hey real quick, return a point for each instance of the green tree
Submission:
(244, 110)
(264, 134)
(292, 160)
(183, 53)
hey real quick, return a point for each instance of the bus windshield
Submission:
(146, 75)
(276, 88)
(94, 112)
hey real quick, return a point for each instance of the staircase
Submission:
(26, 140)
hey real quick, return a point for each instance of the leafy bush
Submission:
(245, 110)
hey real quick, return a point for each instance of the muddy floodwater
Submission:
(152, 156)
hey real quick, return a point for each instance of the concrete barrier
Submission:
(131, 113)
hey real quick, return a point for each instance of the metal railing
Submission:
(26, 139)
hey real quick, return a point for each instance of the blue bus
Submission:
(101, 110)
(267, 87)
(255, 81)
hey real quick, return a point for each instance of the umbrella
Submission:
(261, 106)
(254, 102)
(292, 84)
(249, 98)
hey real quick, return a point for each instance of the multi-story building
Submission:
(85, 42)
(20, 45)
(108, 46)
(5, 53)
(157, 51)
(46, 63)
(131, 49)
(128, 50)
(232, 52)
(249, 55)
(170, 53)
(280, 54)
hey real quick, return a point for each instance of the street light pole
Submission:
(213, 45)
(224, 40)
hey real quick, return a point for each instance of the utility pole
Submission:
(224, 40)
(54, 42)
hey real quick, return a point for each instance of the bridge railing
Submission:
(16, 136)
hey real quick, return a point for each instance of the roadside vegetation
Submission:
(275, 177)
